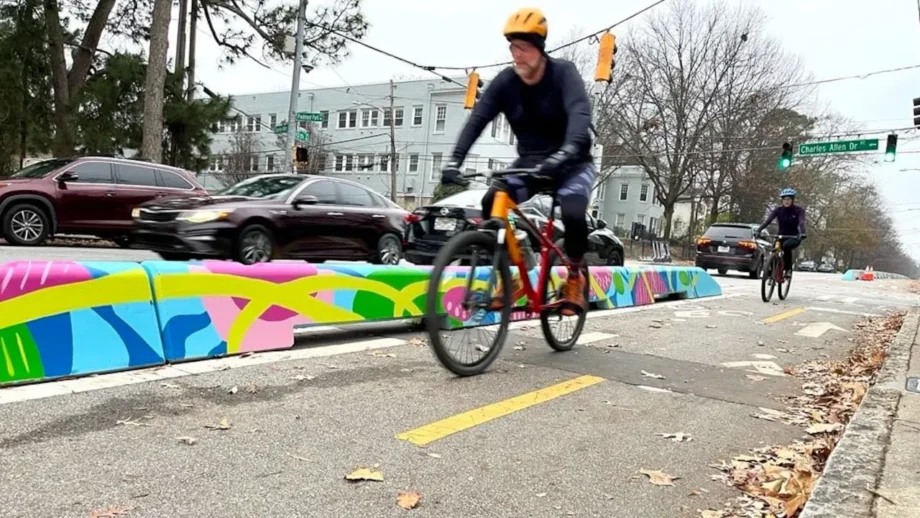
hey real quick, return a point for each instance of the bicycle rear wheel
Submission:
(467, 297)
(787, 282)
(551, 318)
(768, 281)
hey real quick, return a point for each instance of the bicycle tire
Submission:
(767, 279)
(788, 284)
(554, 343)
(453, 247)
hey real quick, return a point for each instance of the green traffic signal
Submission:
(785, 159)
(891, 148)
(784, 163)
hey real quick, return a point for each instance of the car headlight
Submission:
(203, 216)
(136, 212)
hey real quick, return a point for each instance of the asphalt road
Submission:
(298, 421)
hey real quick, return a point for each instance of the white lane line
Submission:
(117, 379)
(825, 297)
(594, 336)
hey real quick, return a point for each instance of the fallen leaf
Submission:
(301, 377)
(298, 457)
(364, 474)
(658, 478)
(251, 388)
(417, 341)
(652, 375)
(755, 377)
(541, 495)
(781, 349)
(519, 347)
(434, 455)
(233, 390)
(170, 385)
(824, 428)
(408, 499)
(676, 437)
(711, 326)
(760, 343)
(110, 511)
(710, 513)
(224, 424)
(187, 440)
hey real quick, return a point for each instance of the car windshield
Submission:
(271, 187)
(40, 169)
(470, 198)
(729, 233)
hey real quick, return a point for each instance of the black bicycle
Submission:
(774, 275)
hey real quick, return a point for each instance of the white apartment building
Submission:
(627, 196)
(428, 116)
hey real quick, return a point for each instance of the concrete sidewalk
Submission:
(875, 469)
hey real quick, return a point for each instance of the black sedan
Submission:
(429, 227)
(731, 246)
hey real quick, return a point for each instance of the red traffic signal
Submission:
(301, 155)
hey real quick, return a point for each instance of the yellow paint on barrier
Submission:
(457, 423)
(784, 315)
(112, 289)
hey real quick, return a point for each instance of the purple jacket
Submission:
(791, 220)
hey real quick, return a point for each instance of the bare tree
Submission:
(242, 160)
(155, 82)
(670, 74)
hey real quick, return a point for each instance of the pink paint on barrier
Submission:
(264, 333)
(453, 303)
(21, 277)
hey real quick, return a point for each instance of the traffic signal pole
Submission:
(393, 142)
(295, 85)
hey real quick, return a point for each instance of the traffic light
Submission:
(917, 112)
(301, 156)
(785, 159)
(472, 91)
(891, 148)
(605, 63)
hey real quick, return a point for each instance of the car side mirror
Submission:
(68, 176)
(306, 199)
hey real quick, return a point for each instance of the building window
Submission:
(413, 163)
(601, 191)
(253, 123)
(642, 219)
(273, 120)
(384, 163)
(366, 121)
(398, 117)
(436, 165)
(254, 163)
(343, 120)
(396, 163)
(365, 162)
(217, 163)
(339, 162)
(620, 221)
(440, 121)
(236, 124)
(353, 119)
(325, 123)
(375, 118)
(624, 191)
(386, 117)
(349, 162)
(643, 192)
(270, 163)
(417, 115)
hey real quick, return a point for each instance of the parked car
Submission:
(429, 227)
(826, 268)
(87, 195)
(275, 216)
(807, 266)
(731, 246)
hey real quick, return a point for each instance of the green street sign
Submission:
(842, 146)
(303, 135)
(281, 129)
(308, 117)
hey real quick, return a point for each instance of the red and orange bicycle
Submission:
(483, 298)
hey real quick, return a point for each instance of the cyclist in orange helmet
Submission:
(545, 102)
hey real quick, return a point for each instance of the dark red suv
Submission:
(87, 195)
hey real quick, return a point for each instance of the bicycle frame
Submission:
(501, 207)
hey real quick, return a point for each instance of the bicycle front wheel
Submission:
(787, 282)
(479, 299)
(767, 281)
(561, 332)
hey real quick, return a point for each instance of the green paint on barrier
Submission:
(19, 356)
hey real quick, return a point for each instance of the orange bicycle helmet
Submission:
(527, 24)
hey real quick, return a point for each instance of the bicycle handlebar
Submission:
(781, 236)
(505, 172)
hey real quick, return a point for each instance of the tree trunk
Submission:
(668, 219)
(63, 114)
(152, 144)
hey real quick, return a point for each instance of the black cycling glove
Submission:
(552, 164)
(451, 174)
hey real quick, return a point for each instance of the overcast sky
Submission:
(833, 37)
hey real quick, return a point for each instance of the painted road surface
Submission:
(542, 434)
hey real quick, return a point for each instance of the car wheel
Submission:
(722, 271)
(122, 241)
(755, 273)
(255, 244)
(26, 224)
(389, 250)
(615, 258)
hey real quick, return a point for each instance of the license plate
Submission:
(724, 249)
(445, 224)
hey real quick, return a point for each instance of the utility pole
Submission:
(295, 84)
(392, 142)
(180, 40)
(193, 27)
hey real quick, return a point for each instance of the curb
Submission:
(859, 458)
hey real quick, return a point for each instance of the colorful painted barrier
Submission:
(66, 318)
(855, 275)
